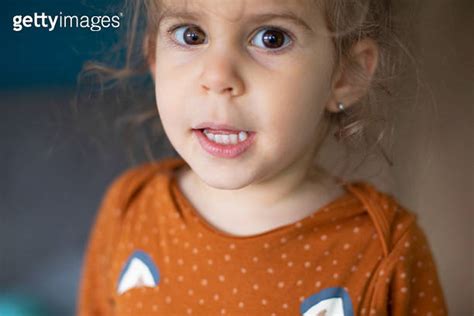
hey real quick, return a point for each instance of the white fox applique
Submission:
(329, 302)
(139, 270)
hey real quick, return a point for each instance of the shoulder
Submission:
(391, 218)
(129, 182)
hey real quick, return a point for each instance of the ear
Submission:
(348, 88)
(149, 55)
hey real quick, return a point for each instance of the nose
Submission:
(220, 75)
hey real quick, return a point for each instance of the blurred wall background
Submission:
(55, 168)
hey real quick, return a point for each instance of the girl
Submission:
(243, 222)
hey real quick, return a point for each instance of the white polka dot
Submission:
(194, 267)
(243, 270)
(255, 259)
(270, 270)
(216, 297)
(403, 289)
(201, 301)
(307, 246)
(281, 284)
(232, 246)
(290, 263)
(283, 240)
(227, 257)
(299, 282)
(209, 262)
(190, 292)
(189, 310)
(234, 290)
(335, 275)
(255, 286)
(241, 304)
(139, 305)
(324, 237)
(318, 284)
(195, 250)
(168, 300)
(285, 306)
(204, 282)
(356, 230)
(319, 268)
(283, 255)
(266, 245)
(346, 246)
(334, 262)
(264, 301)
(221, 278)
(307, 264)
(223, 311)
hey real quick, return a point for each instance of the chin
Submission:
(224, 182)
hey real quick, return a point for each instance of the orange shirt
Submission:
(151, 253)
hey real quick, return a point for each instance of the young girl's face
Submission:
(230, 62)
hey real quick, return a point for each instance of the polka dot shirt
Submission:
(151, 253)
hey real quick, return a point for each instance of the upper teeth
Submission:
(226, 139)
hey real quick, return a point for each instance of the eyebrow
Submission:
(259, 17)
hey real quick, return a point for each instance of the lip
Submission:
(224, 151)
(219, 127)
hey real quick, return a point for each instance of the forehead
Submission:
(235, 10)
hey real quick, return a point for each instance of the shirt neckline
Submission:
(188, 209)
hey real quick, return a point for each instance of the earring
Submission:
(340, 106)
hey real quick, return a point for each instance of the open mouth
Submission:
(227, 144)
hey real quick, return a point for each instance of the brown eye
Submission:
(271, 38)
(191, 35)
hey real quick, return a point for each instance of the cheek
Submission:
(293, 104)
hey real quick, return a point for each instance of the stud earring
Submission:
(340, 106)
